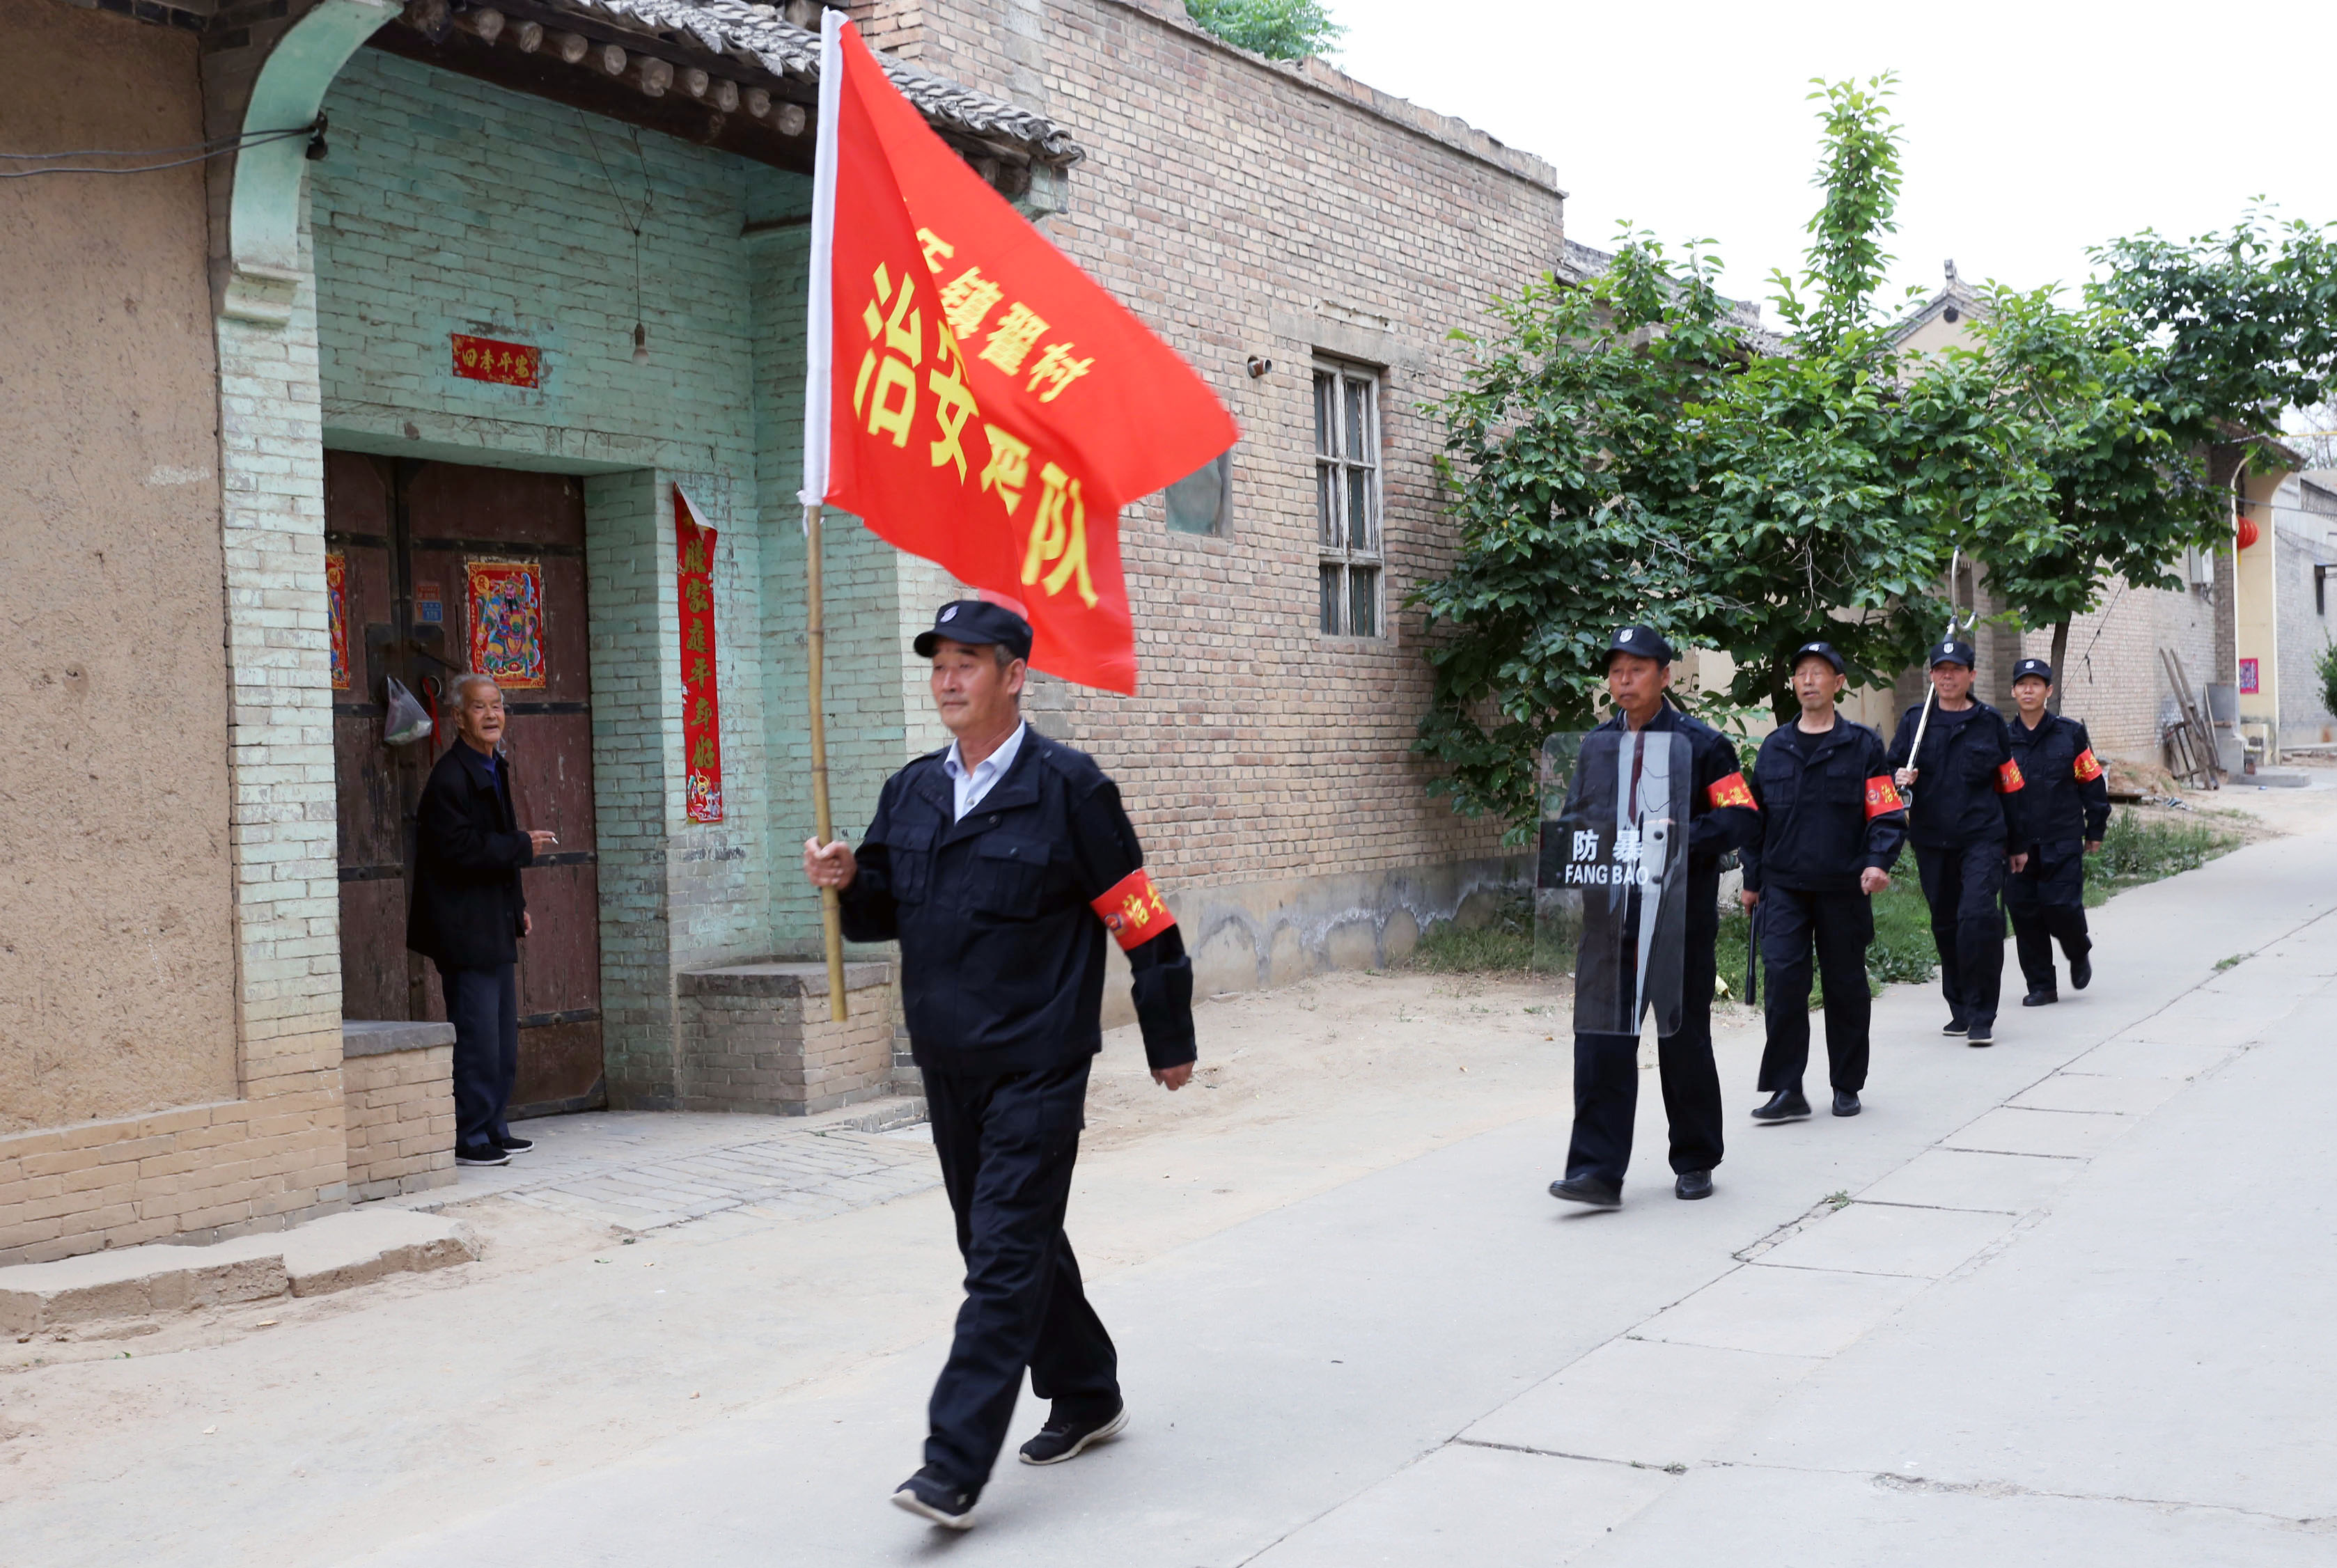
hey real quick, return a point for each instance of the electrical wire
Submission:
(219, 148)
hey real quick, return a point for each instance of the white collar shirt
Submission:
(972, 783)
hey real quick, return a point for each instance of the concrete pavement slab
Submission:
(1472, 1507)
(1782, 1312)
(1756, 1517)
(1971, 1179)
(2093, 1092)
(1643, 1402)
(2125, 1058)
(2011, 1131)
(1868, 1238)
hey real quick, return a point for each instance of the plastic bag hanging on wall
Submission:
(407, 722)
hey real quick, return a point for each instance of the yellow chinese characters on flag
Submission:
(975, 397)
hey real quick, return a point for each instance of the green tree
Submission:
(1279, 29)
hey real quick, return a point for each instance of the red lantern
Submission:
(2247, 531)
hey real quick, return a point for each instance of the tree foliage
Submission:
(1279, 29)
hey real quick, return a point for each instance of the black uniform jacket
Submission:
(1715, 826)
(1825, 819)
(468, 905)
(1001, 949)
(2066, 797)
(1967, 788)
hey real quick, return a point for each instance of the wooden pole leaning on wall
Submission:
(831, 918)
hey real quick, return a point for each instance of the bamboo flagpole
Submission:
(819, 347)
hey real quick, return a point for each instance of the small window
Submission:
(1202, 501)
(1347, 498)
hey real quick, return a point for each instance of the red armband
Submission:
(1882, 797)
(1732, 791)
(2088, 769)
(1133, 911)
(2007, 778)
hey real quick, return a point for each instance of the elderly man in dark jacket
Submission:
(467, 914)
(1003, 865)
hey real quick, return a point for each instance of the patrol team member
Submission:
(1965, 820)
(1607, 1067)
(2069, 810)
(1000, 864)
(1831, 828)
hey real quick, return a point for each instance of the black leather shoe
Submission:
(1587, 1190)
(2082, 972)
(1981, 1034)
(1954, 1027)
(1068, 1437)
(1693, 1185)
(2044, 997)
(1846, 1103)
(1785, 1105)
(929, 1496)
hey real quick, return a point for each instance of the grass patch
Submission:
(1502, 945)
(1901, 949)
(2138, 849)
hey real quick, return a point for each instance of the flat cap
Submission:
(977, 623)
(1950, 650)
(1823, 650)
(2035, 667)
(1643, 640)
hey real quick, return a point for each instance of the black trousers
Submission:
(1007, 1145)
(483, 1007)
(2047, 900)
(1965, 888)
(1837, 927)
(1606, 1069)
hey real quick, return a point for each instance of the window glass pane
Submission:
(1196, 503)
(1331, 598)
(1327, 504)
(1356, 422)
(1326, 413)
(1362, 601)
(1359, 514)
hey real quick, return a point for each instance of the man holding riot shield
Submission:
(1832, 827)
(1653, 799)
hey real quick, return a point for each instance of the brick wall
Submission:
(759, 1038)
(400, 1106)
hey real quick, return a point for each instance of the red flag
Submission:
(972, 394)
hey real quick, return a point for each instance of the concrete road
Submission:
(2064, 1300)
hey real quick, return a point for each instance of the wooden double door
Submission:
(420, 555)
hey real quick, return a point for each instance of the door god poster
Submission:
(506, 612)
(701, 703)
(337, 615)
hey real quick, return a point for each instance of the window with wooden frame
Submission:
(1347, 497)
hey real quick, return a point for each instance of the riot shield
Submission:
(1610, 893)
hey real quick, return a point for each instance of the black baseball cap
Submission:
(1948, 650)
(978, 623)
(1643, 640)
(1823, 650)
(2035, 667)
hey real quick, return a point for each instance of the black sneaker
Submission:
(928, 1496)
(485, 1154)
(1983, 1033)
(1785, 1105)
(2082, 972)
(1066, 1437)
(2042, 996)
(515, 1145)
(1587, 1190)
(1954, 1027)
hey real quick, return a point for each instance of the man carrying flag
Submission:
(980, 401)
(1000, 864)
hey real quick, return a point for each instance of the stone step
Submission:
(325, 1255)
